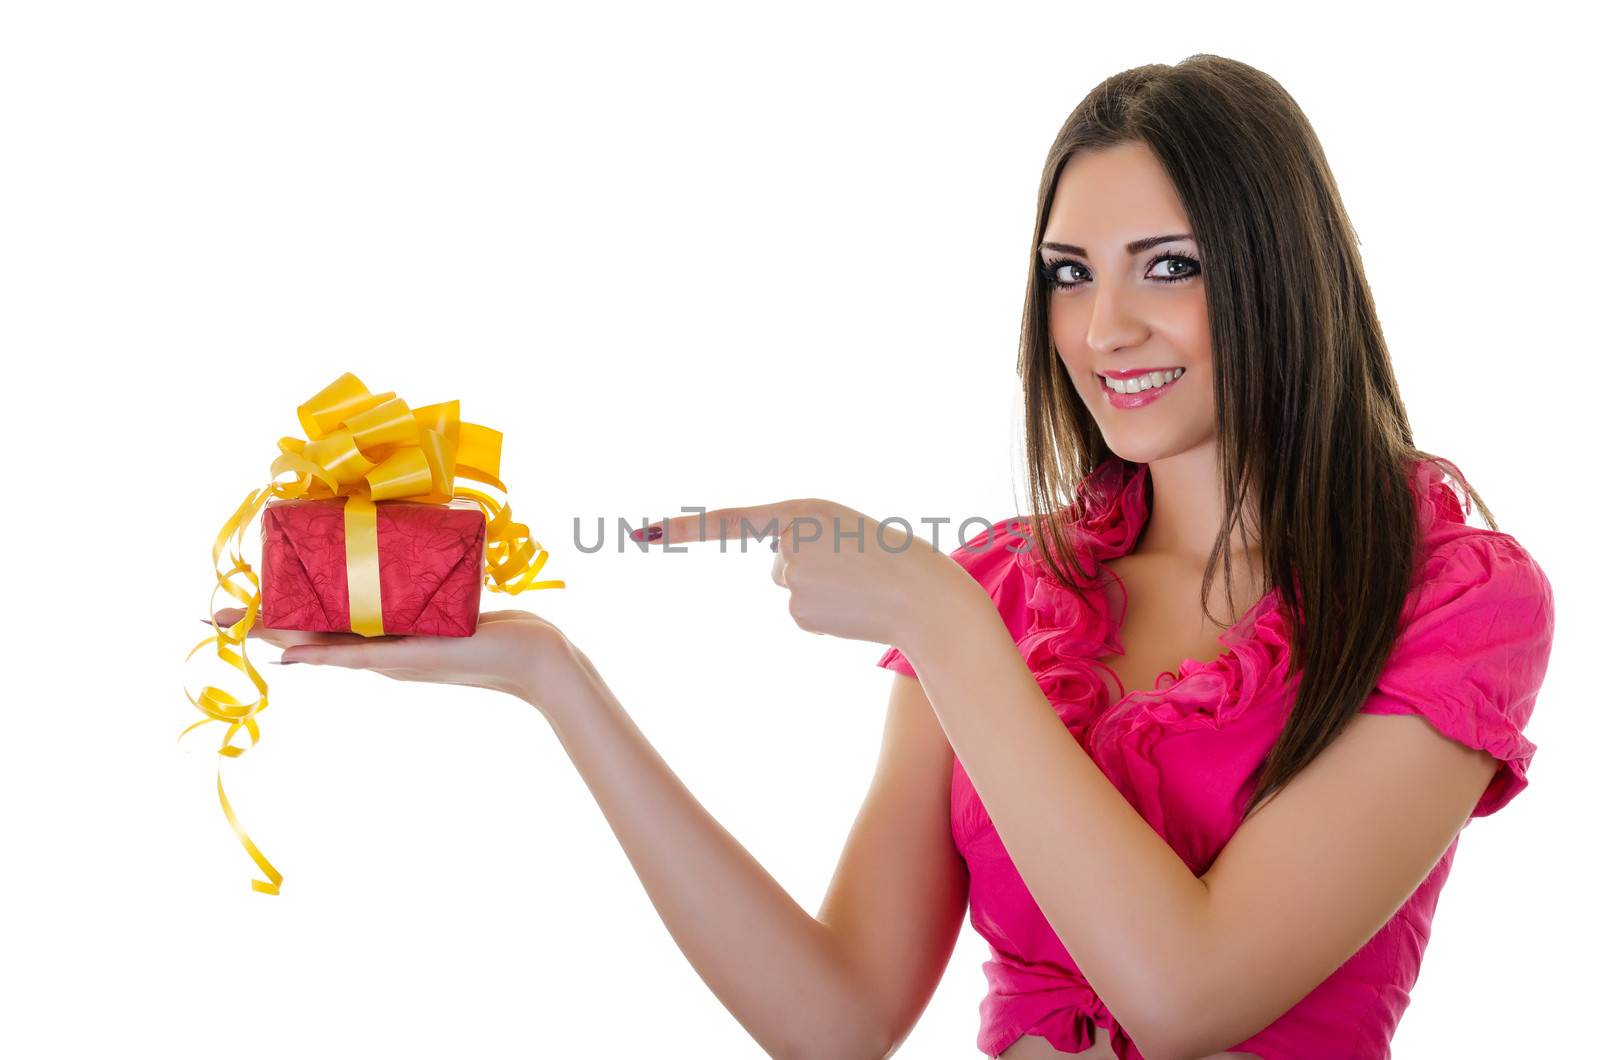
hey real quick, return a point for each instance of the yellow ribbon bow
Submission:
(366, 448)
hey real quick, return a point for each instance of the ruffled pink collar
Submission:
(1067, 637)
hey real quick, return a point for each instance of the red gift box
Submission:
(430, 566)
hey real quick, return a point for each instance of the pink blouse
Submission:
(1474, 642)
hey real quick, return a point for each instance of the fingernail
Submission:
(652, 533)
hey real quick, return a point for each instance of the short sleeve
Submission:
(1471, 655)
(990, 557)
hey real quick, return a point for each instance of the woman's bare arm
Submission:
(900, 890)
(781, 973)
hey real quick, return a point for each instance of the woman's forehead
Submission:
(1108, 197)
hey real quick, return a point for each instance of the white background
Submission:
(681, 255)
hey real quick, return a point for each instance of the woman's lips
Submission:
(1139, 400)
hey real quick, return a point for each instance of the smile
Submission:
(1141, 391)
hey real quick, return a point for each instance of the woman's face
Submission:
(1127, 311)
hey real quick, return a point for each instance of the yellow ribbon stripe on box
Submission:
(366, 448)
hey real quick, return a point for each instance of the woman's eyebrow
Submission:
(1133, 248)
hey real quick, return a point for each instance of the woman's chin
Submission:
(1139, 447)
(1144, 447)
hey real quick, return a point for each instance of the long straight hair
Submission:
(1308, 412)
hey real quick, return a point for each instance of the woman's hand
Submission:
(512, 651)
(847, 575)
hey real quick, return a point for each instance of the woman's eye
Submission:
(1187, 267)
(1056, 272)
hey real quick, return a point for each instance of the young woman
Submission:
(1183, 835)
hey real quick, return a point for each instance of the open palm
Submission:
(502, 654)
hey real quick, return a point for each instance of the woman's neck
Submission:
(1186, 508)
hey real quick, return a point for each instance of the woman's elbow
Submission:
(1179, 1030)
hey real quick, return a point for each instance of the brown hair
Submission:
(1308, 411)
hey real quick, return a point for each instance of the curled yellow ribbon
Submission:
(366, 448)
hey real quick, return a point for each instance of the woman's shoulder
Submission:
(992, 555)
(1474, 639)
(1457, 556)
(983, 543)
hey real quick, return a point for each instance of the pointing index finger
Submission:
(728, 524)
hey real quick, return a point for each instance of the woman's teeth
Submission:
(1143, 382)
